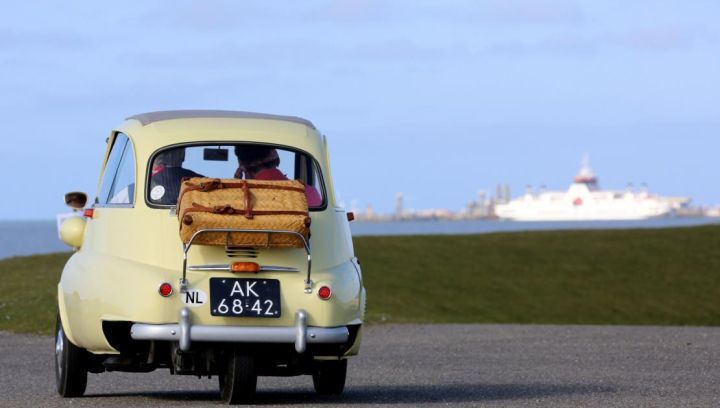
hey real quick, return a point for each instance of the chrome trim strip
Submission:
(210, 268)
(226, 268)
(273, 268)
(245, 334)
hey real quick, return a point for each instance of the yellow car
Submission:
(134, 297)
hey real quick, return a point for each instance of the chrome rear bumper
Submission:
(185, 333)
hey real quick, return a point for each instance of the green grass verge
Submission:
(658, 276)
(645, 277)
(28, 292)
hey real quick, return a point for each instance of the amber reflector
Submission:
(240, 267)
(88, 213)
(324, 292)
(165, 289)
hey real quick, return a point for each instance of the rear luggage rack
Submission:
(228, 231)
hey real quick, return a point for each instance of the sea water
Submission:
(29, 237)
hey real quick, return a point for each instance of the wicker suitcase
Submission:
(206, 203)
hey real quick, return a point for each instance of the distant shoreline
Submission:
(30, 237)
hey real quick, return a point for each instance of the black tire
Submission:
(238, 380)
(329, 377)
(70, 365)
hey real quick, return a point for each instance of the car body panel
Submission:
(129, 250)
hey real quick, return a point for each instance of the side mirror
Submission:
(76, 200)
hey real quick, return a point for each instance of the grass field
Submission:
(658, 276)
(28, 292)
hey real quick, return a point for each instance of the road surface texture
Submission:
(429, 366)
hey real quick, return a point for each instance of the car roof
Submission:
(152, 117)
(155, 130)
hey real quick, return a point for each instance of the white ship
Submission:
(583, 201)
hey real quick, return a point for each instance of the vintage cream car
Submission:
(134, 298)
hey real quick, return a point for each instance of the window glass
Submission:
(242, 161)
(123, 188)
(111, 168)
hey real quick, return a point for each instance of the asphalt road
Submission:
(432, 365)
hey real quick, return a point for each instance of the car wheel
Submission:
(329, 377)
(238, 381)
(70, 365)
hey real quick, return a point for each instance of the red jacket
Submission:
(313, 197)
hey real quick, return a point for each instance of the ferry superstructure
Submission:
(584, 201)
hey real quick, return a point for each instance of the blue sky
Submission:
(434, 99)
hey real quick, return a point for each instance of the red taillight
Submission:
(88, 213)
(165, 289)
(324, 292)
(240, 267)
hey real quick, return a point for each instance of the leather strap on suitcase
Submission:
(206, 203)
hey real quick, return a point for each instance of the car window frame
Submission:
(148, 170)
(129, 144)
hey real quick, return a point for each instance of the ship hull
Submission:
(540, 217)
(584, 201)
(579, 203)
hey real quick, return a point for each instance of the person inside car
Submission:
(261, 163)
(167, 173)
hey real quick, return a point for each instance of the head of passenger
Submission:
(258, 162)
(167, 174)
(171, 158)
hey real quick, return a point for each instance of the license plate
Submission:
(245, 297)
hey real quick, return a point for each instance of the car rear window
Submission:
(242, 161)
